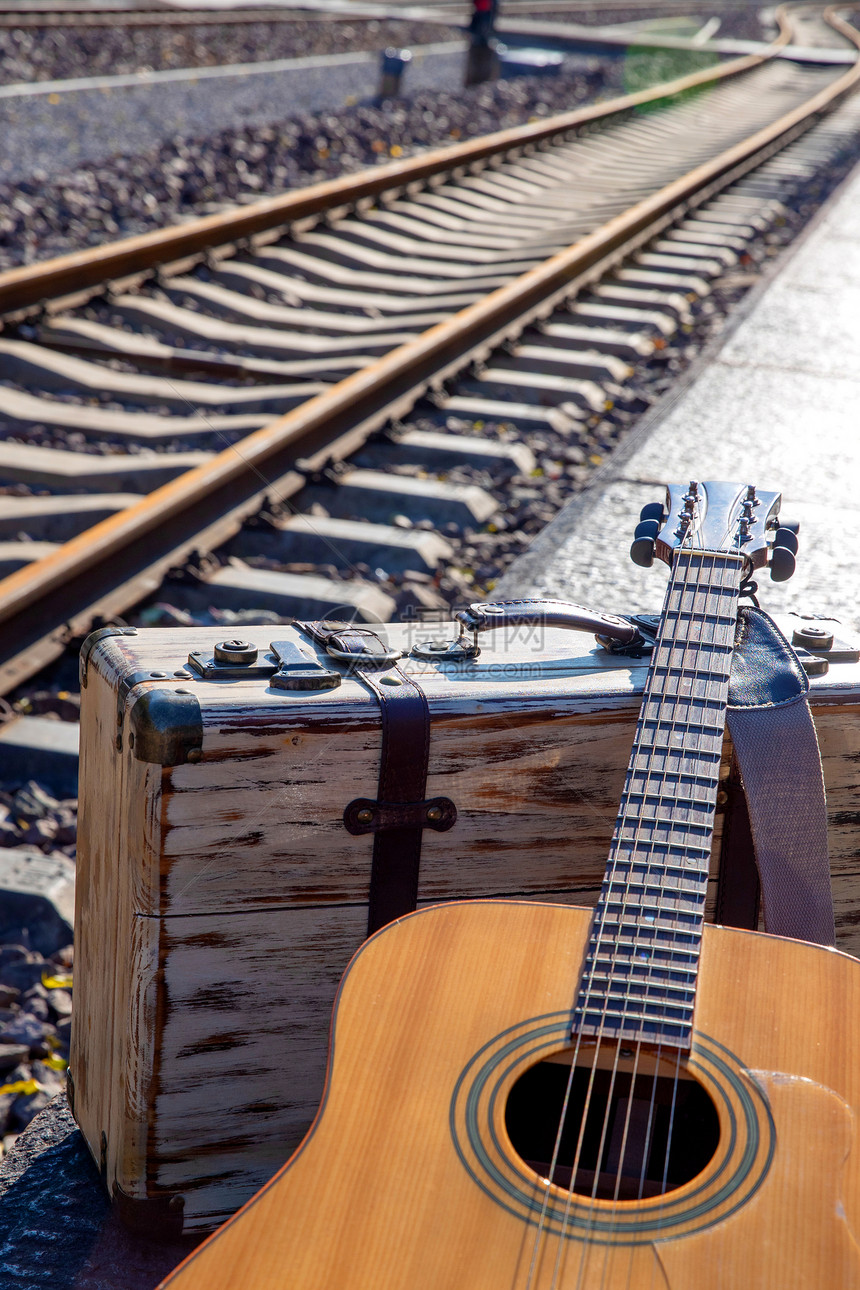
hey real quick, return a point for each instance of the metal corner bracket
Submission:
(95, 638)
(160, 1218)
(165, 726)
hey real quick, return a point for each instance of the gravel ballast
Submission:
(65, 210)
(49, 54)
(39, 54)
(54, 129)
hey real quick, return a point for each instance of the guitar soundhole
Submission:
(648, 1128)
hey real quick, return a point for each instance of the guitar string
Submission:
(653, 778)
(586, 996)
(713, 610)
(565, 1107)
(681, 666)
(623, 898)
(721, 590)
(733, 591)
(677, 698)
(715, 590)
(583, 1002)
(679, 1054)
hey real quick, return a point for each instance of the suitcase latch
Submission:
(231, 659)
(286, 666)
(301, 671)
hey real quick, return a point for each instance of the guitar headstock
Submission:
(717, 517)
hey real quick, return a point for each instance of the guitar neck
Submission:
(639, 979)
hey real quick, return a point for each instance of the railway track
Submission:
(360, 365)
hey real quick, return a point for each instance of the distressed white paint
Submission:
(219, 902)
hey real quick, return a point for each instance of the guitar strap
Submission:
(778, 765)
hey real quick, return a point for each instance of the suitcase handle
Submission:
(485, 615)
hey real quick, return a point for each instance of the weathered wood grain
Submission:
(220, 901)
(96, 926)
(389, 1190)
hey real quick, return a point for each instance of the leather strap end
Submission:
(366, 815)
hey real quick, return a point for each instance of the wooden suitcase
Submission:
(220, 895)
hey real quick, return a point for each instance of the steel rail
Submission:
(35, 286)
(117, 561)
(444, 14)
(107, 17)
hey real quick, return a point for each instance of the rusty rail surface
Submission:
(444, 14)
(119, 560)
(166, 17)
(35, 285)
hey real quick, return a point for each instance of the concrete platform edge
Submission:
(523, 575)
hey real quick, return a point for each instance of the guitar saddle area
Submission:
(722, 1139)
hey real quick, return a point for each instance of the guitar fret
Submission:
(642, 962)
(659, 790)
(629, 931)
(638, 872)
(692, 672)
(663, 973)
(657, 974)
(639, 890)
(639, 869)
(699, 754)
(656, 799)
(643, 1010)
(678, 935)
(654, 1006)
(632, 1027)
(618, 1014)
(613, 913)
(680, 959)
(655, 854)
(687, 866)
(642, 993)
(667, 833)
(678, 725)
(677, 778)
(632, 952)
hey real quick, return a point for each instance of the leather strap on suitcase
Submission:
(399, 814)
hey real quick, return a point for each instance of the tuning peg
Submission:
(642, 552)
(782, 564)
(653, 511)
(785, 537)
(644, 542)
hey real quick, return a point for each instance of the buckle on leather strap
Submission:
(364, 656)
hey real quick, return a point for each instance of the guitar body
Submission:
(408, 1178)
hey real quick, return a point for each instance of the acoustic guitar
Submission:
(525, 1096)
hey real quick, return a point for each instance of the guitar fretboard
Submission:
(639, 980)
